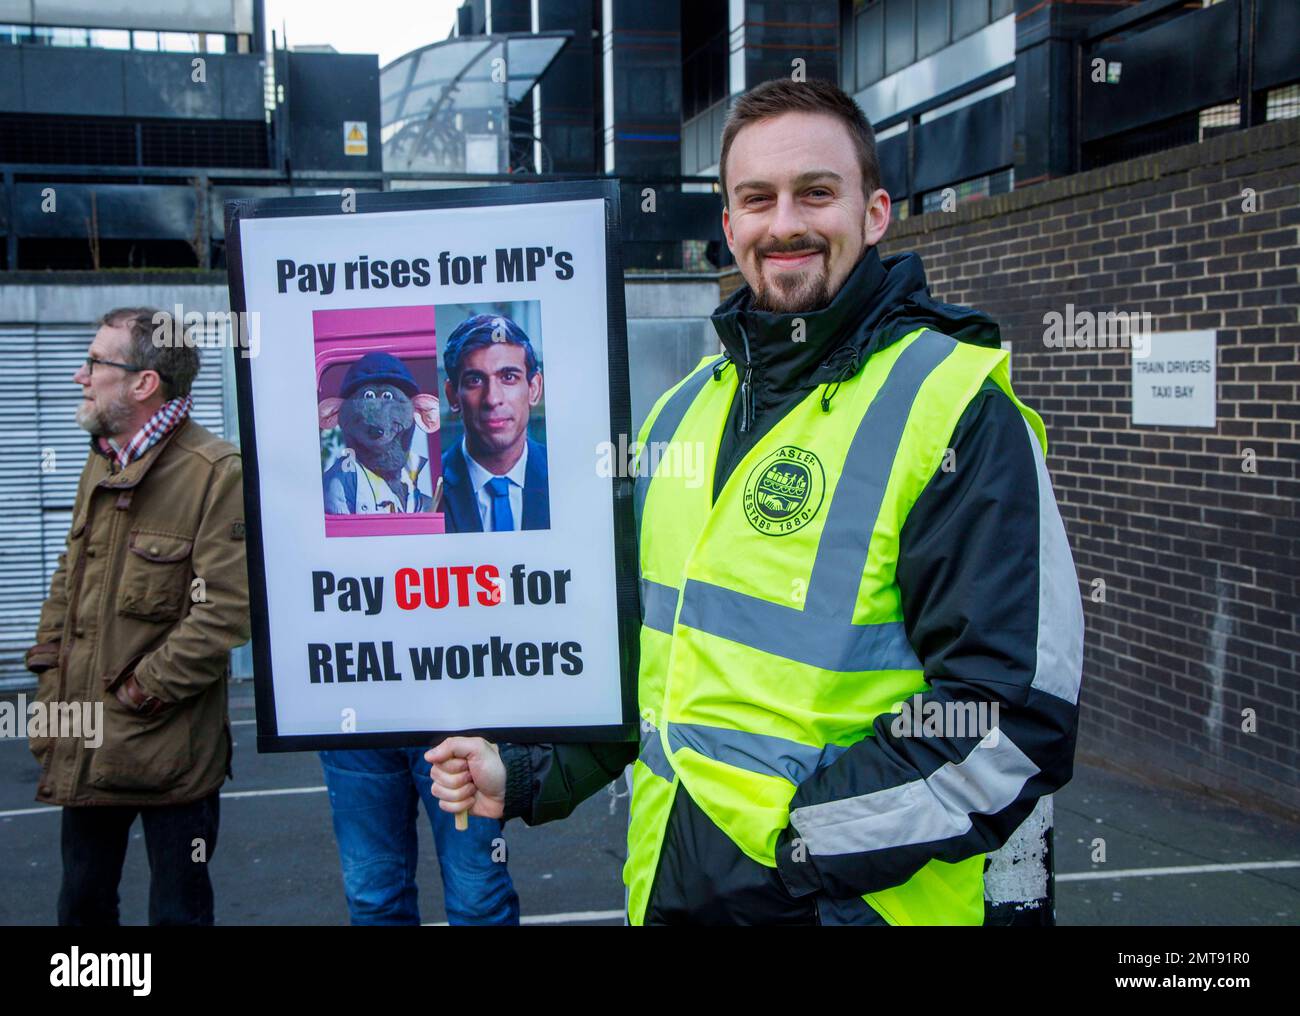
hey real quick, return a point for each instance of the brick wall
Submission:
(1199, 557)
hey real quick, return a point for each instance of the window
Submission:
(45, 35)
(900, 34)
(870, 32)
(110, 38)
(931, 26)
(1218, 120)
(69, 37)
(969, 16)
(1283, 103)
(178, 42)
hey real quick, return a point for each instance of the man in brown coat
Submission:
(146, 603)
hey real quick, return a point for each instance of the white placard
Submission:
(395, 617)
(1174, 385)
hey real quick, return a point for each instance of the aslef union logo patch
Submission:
(784, 491)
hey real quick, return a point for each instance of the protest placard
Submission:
(432, 547)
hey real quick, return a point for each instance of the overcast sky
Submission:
(387, 27)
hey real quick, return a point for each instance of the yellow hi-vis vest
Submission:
(772, 632)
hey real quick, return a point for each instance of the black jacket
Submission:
(983, 566)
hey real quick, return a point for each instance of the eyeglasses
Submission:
(92, 360)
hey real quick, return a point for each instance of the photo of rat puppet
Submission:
(382, 469)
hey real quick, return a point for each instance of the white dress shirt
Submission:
(479, 476)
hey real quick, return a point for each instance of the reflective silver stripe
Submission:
(651, 753)
(851, 517)
(764, 754)
(800, 635)
(821, 633)
(658, 606)
(936, 808)
(665, 426)
(1058, 666)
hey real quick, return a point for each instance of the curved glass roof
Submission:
(445, 107)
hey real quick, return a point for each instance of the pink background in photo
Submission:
(343, 337)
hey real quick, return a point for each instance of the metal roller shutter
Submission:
(22, 570)
(44, 454)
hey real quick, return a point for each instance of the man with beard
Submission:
(881, 539)
(147, 600)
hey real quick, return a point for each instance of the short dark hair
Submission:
(481, 330)
(176, 361)
(782, 95)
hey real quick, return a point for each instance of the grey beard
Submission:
(103, 422)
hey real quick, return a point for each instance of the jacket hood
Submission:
(882, 300)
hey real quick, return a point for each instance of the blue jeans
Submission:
(373, 795)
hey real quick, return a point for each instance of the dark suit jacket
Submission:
(461, 507)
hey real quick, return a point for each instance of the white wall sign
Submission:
(1174, 385)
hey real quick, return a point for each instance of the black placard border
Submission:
(626, 584)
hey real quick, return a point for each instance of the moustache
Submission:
(805, 247)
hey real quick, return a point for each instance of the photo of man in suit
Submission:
(495, 479)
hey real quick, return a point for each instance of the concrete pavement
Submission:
(276, 862)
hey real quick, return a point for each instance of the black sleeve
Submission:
(547, 781)
(991, 606)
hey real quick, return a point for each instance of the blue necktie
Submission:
(503, 520)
